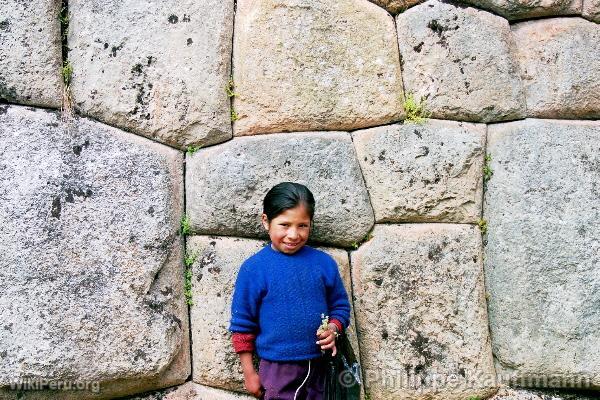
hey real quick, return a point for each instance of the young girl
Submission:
(280, 295)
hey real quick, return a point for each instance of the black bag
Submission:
(343, 379)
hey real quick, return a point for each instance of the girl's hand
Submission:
(253, 385)
(327, 338)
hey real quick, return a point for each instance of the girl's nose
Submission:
(292, 233)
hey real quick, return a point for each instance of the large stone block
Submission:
(507, 393)
(157, 68)
(91, 277)
(30, 52)
(560, 67)
(314, 65)
(543, 251)
(217, 262)
(520, 9)
(421, 313)
(418, 173)
(591, 10)
(395, 6)
(226, 184)
(461, 61)
(192, 391)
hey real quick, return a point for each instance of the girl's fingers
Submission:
(327, 340)
(326, 346)
(334, 350)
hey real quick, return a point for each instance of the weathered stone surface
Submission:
(543, 250)
(559, 67)
(461, 60)
(421, 314)
(520, 9)
(193, 391)
(155, 68)
(314, 65)
(214, 272)
(218, 260)
(30, 52)
(591, 10)
(418, 173)
(226, 184)
(395, 6)
(343, 262)
(90, 277)
(522, 394)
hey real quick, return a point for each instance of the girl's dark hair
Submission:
(286, 195)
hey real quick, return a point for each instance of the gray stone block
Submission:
(226, 184)
(591, 10)
(421, 173)
(30, 52)
(520, 9)
(91, 286)
(421, 313)
(543, 251)
(461, 61)
(156, 68)
(559, 65)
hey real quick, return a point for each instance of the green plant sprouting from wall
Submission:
(483, 226)
(229, 88)
(192, 149)
(67, 68)
(189, 260)
(67, 72)
(487, 169)
(186, 226)
(416, 111)
(366, 238)
(234, 115)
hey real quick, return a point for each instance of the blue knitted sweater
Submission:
(281, 297)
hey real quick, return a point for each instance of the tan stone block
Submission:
(421, 313)
(314, 65)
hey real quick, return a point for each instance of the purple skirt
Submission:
(283, 380)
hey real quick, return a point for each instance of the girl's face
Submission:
(289, 230)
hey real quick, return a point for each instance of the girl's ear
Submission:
(265, 221)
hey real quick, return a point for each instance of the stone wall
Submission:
(138, 138)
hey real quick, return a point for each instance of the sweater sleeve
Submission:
(247, 296)
(337, 297)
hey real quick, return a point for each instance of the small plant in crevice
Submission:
(229, 88)
(189, 260)
(234, 115)
(487, 169)
(186, 227)
(483, 226)
(67, 68)
(192, 149)
(416, 111)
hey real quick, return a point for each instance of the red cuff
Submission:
(243, 342)
(338, 324)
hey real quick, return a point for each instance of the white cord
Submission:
(303, 382)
